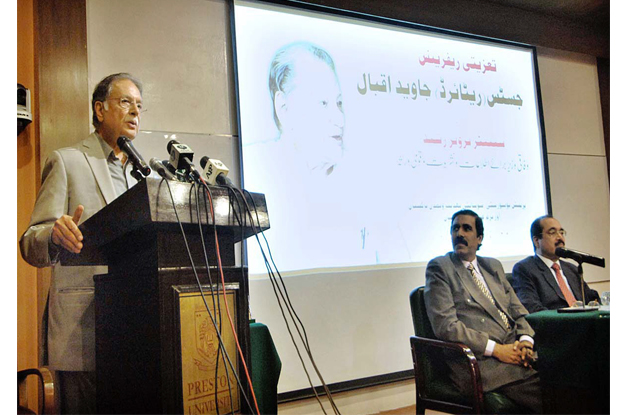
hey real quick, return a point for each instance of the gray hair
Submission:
(103, 90)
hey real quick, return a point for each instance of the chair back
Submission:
(435, 390)
(420, 320)
(431, 369)
(47, 403)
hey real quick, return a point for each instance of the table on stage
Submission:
(573, 360)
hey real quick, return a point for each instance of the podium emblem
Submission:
(206, 339)
(208, 387)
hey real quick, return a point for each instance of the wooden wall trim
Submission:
(64, 97)
(27, 171)
(61, 73)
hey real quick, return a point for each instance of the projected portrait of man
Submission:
(308, 105)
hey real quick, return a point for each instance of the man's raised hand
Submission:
(65, 232)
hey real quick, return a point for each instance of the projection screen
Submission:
(367, 135)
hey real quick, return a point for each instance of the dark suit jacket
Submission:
(537, 288)
(460, 312)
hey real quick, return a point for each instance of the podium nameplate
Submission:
(208, 382)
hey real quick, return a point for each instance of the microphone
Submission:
(181, 157)
(214, 171)
(160, 168)
(135, 158)
(178, 174)
(580, 257)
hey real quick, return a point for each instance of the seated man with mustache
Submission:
(468, 300)
(542, 281)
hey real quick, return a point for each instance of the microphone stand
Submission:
(580, 258)
(581, 278)
(136, 173)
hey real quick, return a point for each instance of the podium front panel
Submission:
(139, 358)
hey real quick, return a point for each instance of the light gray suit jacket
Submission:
(460, 312)
(71, 176)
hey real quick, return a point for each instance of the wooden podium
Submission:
(146, 306)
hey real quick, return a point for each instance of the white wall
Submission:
(179, 49)
(357, 326)
(577, 162)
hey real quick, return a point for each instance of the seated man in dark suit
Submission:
(542, 281)
(468, 300)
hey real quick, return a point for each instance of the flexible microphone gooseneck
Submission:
(160, 168)
(135, 158)
(580, 257)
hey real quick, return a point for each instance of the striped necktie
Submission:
(482, 286)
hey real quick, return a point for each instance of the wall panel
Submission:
(62, 72)
(181, 53)
(581, 202)
(571, 102)
(51, 58)
(27, 172)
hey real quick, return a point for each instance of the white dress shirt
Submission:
(490, 345)
(549, 264)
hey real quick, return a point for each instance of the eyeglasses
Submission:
(126, 103)
(554, 232)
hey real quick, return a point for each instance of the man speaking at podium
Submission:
(542, 281)
(77, 182)
(468, 300)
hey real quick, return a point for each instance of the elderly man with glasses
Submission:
(542, 281)
(77, 182)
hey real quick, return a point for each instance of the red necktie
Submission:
(565, 290)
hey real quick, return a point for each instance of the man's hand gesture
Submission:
(65, 232)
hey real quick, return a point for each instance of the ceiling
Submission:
(594, 12)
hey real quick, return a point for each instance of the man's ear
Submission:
(280, 107)
(535, 242)
(99, 110)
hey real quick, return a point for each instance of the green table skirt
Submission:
(573, 360)
(266, 366)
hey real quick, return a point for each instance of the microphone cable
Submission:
(242, 226)
(289, 305)
(217, 330)
(221, 342)
(292, 312)
(217, 304)
(234, 332)
(232, 211)
(234, 198)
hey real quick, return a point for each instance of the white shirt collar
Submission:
(474, 263)
(549, 262)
